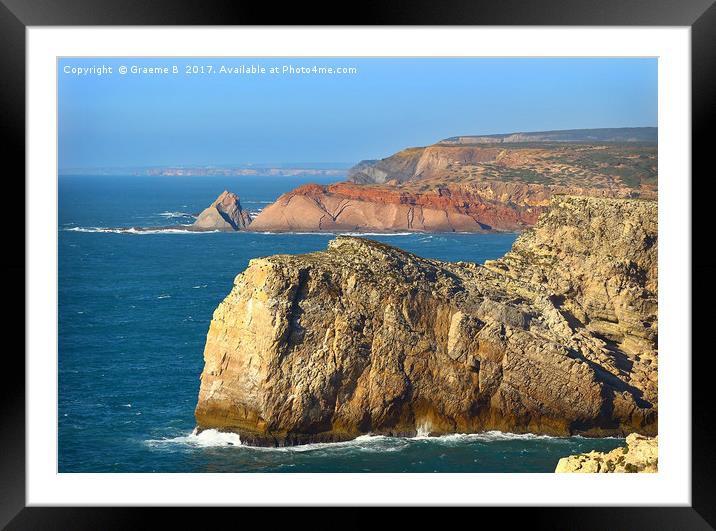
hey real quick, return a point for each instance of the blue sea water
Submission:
(134, 310)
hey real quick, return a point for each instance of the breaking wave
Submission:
(337, 233)
(183, 229)
(206, 438)
(378, 443)
(134, 230)
(170, 215)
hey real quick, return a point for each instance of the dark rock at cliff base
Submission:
(558, 337)
(223, 214)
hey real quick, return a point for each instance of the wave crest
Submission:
(206, 438)
(170, 215)
(368, 442)
(133, 230)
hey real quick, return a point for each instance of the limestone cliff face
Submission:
(641, 454)
(558, 337)
(225, 213)
(598, 260)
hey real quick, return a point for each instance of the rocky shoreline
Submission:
(558, 337)
(641, 454)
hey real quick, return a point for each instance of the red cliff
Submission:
(350, 207)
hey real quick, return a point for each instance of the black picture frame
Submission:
(17, 15)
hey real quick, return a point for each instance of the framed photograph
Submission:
(430, 259)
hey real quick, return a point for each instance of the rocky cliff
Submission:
(641, 454)
(473, 184)
(397, 168)
(604, 165)
(475, 207)
(558, 337)
(225, 213)
(350, 207)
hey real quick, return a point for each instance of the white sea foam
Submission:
(183, 229)
(206, 438)
(376, 233)
(326, 233)
(423, 429)
(367, 443)
(176, 215)
(133, 230)
(491, 436)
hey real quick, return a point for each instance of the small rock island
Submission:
(224, 214)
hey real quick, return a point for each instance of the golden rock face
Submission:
(557, 337)
(641, 454)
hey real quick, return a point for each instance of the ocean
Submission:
(134, 310)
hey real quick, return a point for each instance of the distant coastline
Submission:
(468, 183)
(279, 170)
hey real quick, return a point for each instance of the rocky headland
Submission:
(349, 207)
(460, 184)
(477, 207)
(641, 454)
(557, 337)
(473, 183)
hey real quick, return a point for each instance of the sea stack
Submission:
(224, 214)
(558, 337)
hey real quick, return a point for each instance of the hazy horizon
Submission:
(332, 165)
(232, 120)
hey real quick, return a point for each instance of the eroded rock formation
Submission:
(476, 207)
(557, 337)
(641, 454)
(472, 184)
(225, 213)
(351, 207)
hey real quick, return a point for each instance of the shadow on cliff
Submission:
(620, 359)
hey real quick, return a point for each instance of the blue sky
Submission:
(116, 120)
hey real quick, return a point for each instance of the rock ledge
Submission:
(639, 455)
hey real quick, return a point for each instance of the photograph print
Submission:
(350, 264)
